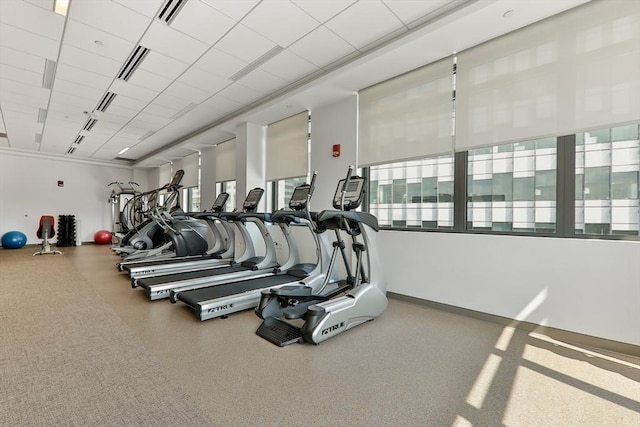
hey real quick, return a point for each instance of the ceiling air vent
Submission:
(258, 62)
(106, 100)
(170, 9)
(79, 139)
(71, 150)
(133, 62)
(42, 115)
(90, 123)
(38, 138)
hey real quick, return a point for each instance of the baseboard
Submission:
(555, 333)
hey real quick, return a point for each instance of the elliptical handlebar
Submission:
(344, 187)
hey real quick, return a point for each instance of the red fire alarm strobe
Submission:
(336, 150)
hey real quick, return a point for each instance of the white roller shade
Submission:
(574, 71)
(226, 161)
(407, 117)
(288, 148)
(164, 177)
(191, 167)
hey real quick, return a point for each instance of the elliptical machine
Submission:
(330, 312)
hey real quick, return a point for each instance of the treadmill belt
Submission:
(158, 280)
(128, 267)
(195, 296)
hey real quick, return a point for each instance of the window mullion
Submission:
(566, 188)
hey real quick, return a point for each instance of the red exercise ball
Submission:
(102, 237)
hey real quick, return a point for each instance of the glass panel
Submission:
(421, 192)
(399, 191)
(607, 182)
(373, 192)
(414, 191)
(513, 188)
(596, 183)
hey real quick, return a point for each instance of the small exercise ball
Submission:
(14, 240)
(102, 237)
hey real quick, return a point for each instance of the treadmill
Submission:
(220, 255)
(220, 300)
(159, 287)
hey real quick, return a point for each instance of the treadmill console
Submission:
(219, 203)
(253, 198)
(298, 200)
(354, 193)
(177, 179)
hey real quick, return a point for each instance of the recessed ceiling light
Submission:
(509, 13)
(98, 42)
(123, 150)
(61, 7)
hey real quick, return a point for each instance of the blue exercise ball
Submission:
(14, 240)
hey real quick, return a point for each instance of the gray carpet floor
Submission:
(78, 346)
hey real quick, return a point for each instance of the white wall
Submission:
(332, 124)
(587, 286)
(29, 189)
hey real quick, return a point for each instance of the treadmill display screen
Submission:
(300, 195)
(221, 200)
(253, 197)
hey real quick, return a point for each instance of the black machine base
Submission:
(278, 332)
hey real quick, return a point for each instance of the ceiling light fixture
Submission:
(509, 13)
(61, 7)
(49, 74)
(123, 150)
(99, 42)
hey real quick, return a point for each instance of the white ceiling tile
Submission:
(289, 66)
(364, 23)
(110, 17)
(411, 10)
(160, 111)
(323, 10)
(202, 22)
(137, 92)
(147, 118)
(21, 59)
(187, 92)
(245, 44)
(240, 93)
(82, 77)
(44, 4)
(161, 38)
(81, 91)
(148, 80)
(203, 80)
(262, 81)
(156, 62)
(27, 110)
(84, 37)
(235, 9)
(321, 47)
(89, 61)
(24, 94)
(280, 21)
(125, 105)
(61, 101)
(27, 42)
(9, 74)
(220, 63)
(118, 116)
(32, 18)
(148, 8)
(169, 101)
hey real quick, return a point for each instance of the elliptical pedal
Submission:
(278, 332)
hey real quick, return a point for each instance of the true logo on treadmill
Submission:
(219, 308)
(332, 328)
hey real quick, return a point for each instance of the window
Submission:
(230, 188)
(193, 199)
(279, 192)
(607, 180)
(413, 194)
(512, 187)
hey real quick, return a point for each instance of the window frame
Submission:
(565, 199)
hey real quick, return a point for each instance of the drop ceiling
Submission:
(116, 74)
